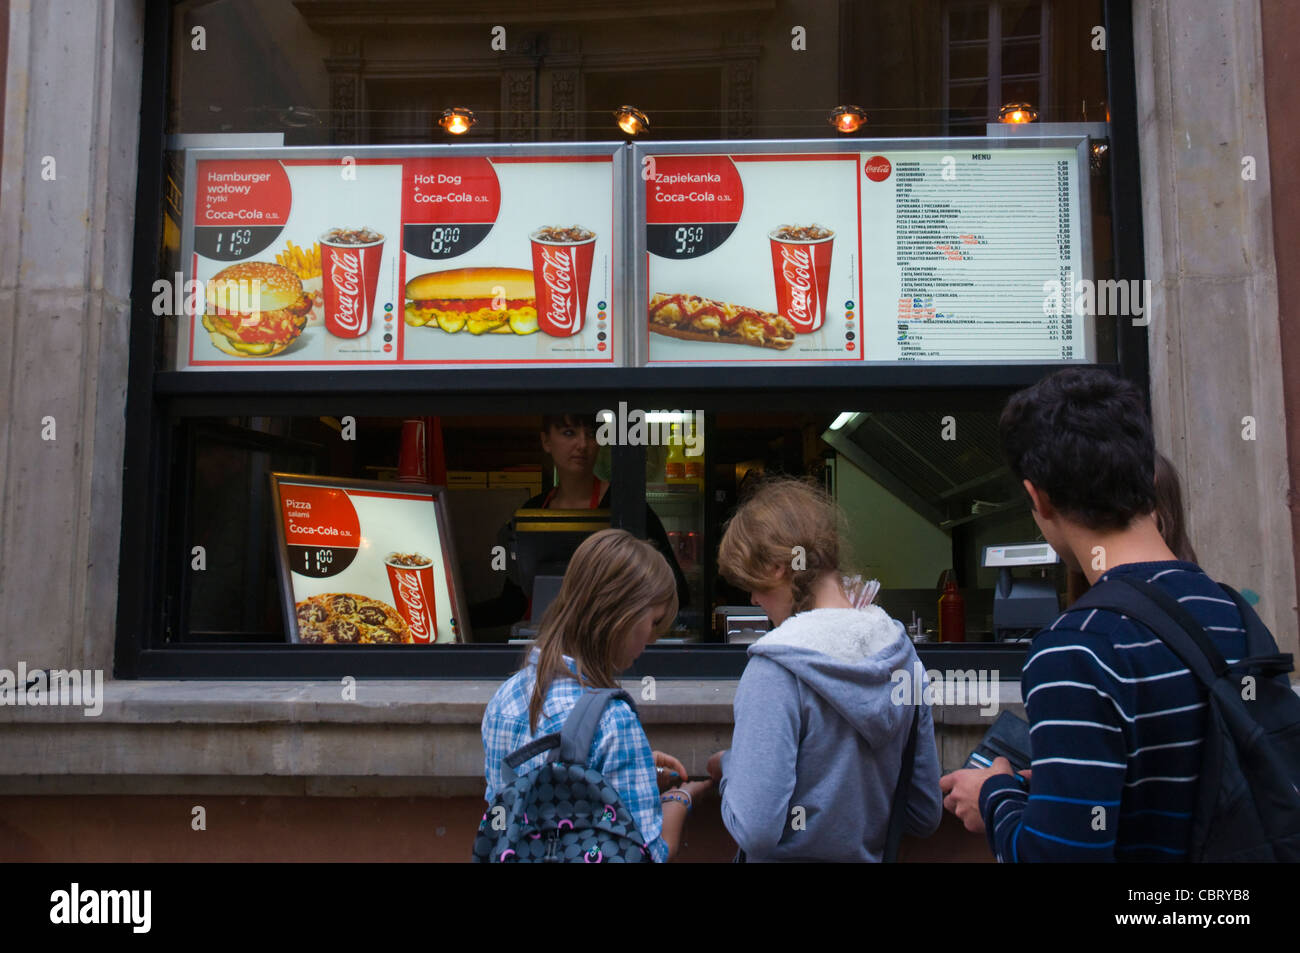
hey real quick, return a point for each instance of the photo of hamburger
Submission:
(255, 309)
(469, 298)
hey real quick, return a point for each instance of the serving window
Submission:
(294, 133)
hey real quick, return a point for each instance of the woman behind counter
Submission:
(570, 441)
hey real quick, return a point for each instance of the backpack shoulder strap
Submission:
(1259, 641)
(580, 727)
(898, 809)
(1155, 609)
(572, 742)
(529, 751)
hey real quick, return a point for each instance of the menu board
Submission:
(911, 253)
(366, 563)
(321, 258)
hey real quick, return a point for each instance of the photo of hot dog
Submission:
(693, 318)
(480, 300)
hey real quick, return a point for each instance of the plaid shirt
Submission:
(620, 751)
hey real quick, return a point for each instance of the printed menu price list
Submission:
(977, 240)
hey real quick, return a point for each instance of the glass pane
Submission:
(1022, 19)
(968, 101)
(1020, 58)
(968, 22)
(968, 62)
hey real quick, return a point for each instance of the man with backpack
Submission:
(1172, 738)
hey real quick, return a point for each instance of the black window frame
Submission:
(157, 400)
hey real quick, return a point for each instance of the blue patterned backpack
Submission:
(563, 812)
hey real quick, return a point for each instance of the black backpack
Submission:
(1248, 805)
(562, 812)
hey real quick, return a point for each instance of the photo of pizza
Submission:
(345, 618)
(693, 318)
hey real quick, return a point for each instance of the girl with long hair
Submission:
(618, 595)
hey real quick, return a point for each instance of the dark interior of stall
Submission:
(923, 493)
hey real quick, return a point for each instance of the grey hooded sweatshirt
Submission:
(818, 743)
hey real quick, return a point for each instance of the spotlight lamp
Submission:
(847, 119)
(1017, 113)
(631, 120)
(457, 120)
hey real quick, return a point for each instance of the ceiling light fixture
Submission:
(457, 120)
(1017, 113)
(631, 120)
(847, 119)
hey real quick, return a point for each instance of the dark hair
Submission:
(560, 421)
(1169, 510)
(1083, 436)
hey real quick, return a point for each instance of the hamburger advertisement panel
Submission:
(423, 256)
(366, 563)
(295, 263)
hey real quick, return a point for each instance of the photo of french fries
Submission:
(302, 262)
(305, 263)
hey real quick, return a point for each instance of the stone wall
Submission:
(1215, 333)
(67, 213)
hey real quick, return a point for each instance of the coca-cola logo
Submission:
(796, 269)
(877, 168)
(558, 275)
(412, 596)
(345, 276)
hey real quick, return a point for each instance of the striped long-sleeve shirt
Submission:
(1117, 723)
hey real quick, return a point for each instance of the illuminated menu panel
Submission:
(908, 254)
(377, 257)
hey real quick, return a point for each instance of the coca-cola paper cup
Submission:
(411, 576)
(801, 267)
(413, 455)
(349, 260)
(562, 259)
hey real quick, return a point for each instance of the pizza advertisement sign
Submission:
(373, 257)
(861, 251)
(366, 563)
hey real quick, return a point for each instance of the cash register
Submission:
(1022, 606)
(542, 543)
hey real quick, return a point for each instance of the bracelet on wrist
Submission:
(681, 797)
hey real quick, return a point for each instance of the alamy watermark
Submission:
(78, 688)
(1128, 299)
(946, 687)
(640, 428)
(175, 296)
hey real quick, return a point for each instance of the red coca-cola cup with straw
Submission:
(349, 261)
(411, 577)
(801, 266)
(562, 260)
